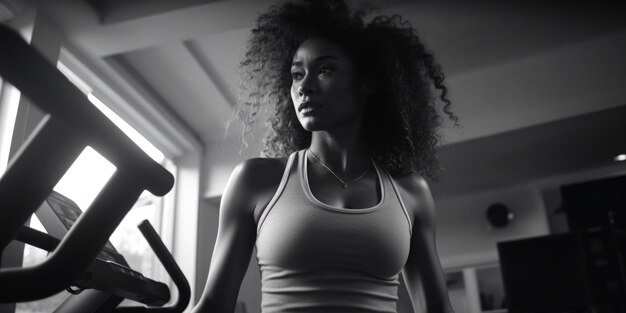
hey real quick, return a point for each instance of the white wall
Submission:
(222, 155)
(464, 237)
(220, 159)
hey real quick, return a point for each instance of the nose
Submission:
(306, 87)
(304, 90)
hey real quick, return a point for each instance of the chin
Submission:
(312, 125)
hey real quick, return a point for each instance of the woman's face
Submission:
(325, 90)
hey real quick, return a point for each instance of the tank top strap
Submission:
(278, 192)
(396, 190)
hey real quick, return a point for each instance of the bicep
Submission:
(233, 247)
(422, 273)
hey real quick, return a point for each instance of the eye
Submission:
(297, 75)
(326, 69)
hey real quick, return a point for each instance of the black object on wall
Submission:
(589, 204)
(570, 271)
(499, 215)
(580, 270)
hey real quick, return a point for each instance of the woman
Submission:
(341, 209)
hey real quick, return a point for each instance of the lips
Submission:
(307, 106)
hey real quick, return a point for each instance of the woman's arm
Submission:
(422, 273)
(235, 239)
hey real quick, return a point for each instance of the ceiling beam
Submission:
(103, 40)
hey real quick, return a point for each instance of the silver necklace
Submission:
(343, 183)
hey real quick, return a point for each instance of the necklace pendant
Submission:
(345, 186)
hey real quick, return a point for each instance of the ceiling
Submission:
(538, 87)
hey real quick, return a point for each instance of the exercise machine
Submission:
(79, 259)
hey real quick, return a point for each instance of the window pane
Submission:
(85, 178)
(9, 102)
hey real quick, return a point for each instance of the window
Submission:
(9, 97)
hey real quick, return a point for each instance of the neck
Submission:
(344, 150)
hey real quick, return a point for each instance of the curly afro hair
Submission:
(401, 117)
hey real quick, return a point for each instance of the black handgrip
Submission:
(166, 258)
(37, 238)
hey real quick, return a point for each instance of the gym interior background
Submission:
(539, 89)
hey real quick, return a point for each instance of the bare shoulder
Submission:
(255, 180)
(416, 195)
(412, 182)
(256, 169)
(257, 173)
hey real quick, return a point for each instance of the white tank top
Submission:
(315, 257)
